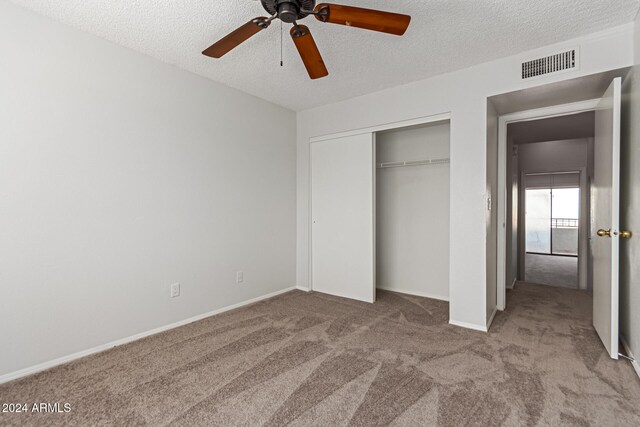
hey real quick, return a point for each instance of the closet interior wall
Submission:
(412, 210)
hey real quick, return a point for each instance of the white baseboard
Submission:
(301, 288)
(418, 294)
(513, 284)
(65, 359)
(634, 363)
(490, 321)
(468, 325)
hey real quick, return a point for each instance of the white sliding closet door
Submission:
(343, 217)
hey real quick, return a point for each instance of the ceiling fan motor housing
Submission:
(289, 10)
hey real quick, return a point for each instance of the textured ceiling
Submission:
(444, 35)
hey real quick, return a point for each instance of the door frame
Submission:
(503, 122)
(441, 117)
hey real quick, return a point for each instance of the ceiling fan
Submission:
(291, 11)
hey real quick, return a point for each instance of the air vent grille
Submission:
(549, 64)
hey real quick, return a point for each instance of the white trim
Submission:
(386, 126)
(634, 363)
(65, 359)
(374, 210)
(418, 294)
(303, 289)
(503, 121)
(468, 325)
(552, 111)
(310, 221)
(490, 321)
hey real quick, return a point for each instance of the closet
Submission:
(412, 210)
(380, 212)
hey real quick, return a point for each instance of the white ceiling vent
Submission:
(560, 62)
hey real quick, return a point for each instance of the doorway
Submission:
(549, 174)
(552, 222)
(600, 183)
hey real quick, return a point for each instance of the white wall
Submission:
(554, 156)
(491, 213)
(412, 216)
(630, 207)
(464, 94)
(120, 175)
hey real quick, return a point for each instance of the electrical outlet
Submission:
(175, 290)
(239, 276)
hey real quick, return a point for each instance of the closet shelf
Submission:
(412, 163)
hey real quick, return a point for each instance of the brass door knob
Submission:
(602, 232)
(625, 234)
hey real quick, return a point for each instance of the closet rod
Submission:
(412, 163)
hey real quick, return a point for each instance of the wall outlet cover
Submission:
(175, 290)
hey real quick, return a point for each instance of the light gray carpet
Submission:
(552, 270)
(311, 359)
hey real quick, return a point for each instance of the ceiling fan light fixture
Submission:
(288, 11)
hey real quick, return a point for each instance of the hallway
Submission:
(552, 270)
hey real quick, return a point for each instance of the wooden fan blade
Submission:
(232, 40)
(309, 52)
(369, 19)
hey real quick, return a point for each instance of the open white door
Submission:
(605, 218)
(343, 211)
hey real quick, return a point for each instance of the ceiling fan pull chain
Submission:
(281, 62)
